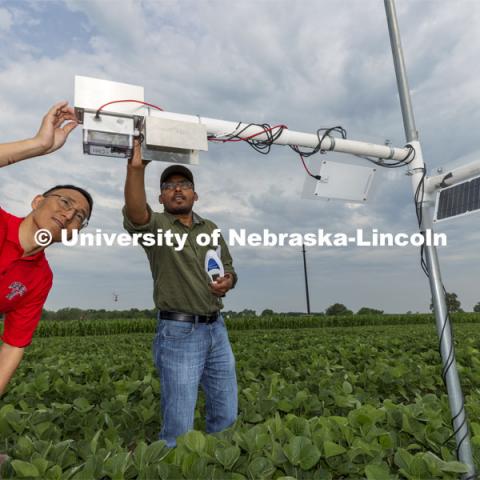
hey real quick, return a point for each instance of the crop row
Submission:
(57, 328)
(320, 403)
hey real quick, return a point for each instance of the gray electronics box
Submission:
(111, 133)
(108, 135)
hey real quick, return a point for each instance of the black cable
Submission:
(389, 163)
(262, 146)
(327, 131)
(423, 262)
(450, 359)
(419, 196)
(461, 425)
(318, 148)
(448, 364)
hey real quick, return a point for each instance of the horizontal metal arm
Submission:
(219, 128)
(453, 177)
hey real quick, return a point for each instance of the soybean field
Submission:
(345, 402)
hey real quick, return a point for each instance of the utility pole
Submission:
(306, 278)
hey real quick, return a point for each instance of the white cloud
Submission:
(120, 25)
(6, 20)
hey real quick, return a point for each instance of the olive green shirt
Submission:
(180, 282)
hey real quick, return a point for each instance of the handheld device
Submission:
(213, 264)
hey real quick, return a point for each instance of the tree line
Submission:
(453, 304)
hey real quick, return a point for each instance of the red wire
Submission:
(213, 139)
(128, 101)
(305, 166)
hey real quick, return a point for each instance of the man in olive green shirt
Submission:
(191, 347)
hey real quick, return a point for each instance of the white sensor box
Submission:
(340, 181)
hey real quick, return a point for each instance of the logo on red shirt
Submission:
(16, 288)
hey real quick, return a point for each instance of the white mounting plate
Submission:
(92, 93)
(340, 181)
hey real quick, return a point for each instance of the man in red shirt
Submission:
(25, 276)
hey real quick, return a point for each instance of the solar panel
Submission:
(457, 200)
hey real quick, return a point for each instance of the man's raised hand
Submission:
(53, 130)
(136, 160)
(56, 126)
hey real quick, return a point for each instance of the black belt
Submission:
(187, 317)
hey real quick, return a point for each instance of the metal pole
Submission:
(444, 329)
(401, 73)
(306, 278)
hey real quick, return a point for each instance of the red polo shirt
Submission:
(24, 284)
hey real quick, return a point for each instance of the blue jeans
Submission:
(188, 355)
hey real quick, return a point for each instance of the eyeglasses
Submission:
(67, 206)
(185, 185)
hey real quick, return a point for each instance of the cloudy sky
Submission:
(306, 64)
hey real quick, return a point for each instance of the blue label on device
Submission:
(212, 264)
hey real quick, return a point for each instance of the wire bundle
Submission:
(390, 163)
(262, 146)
